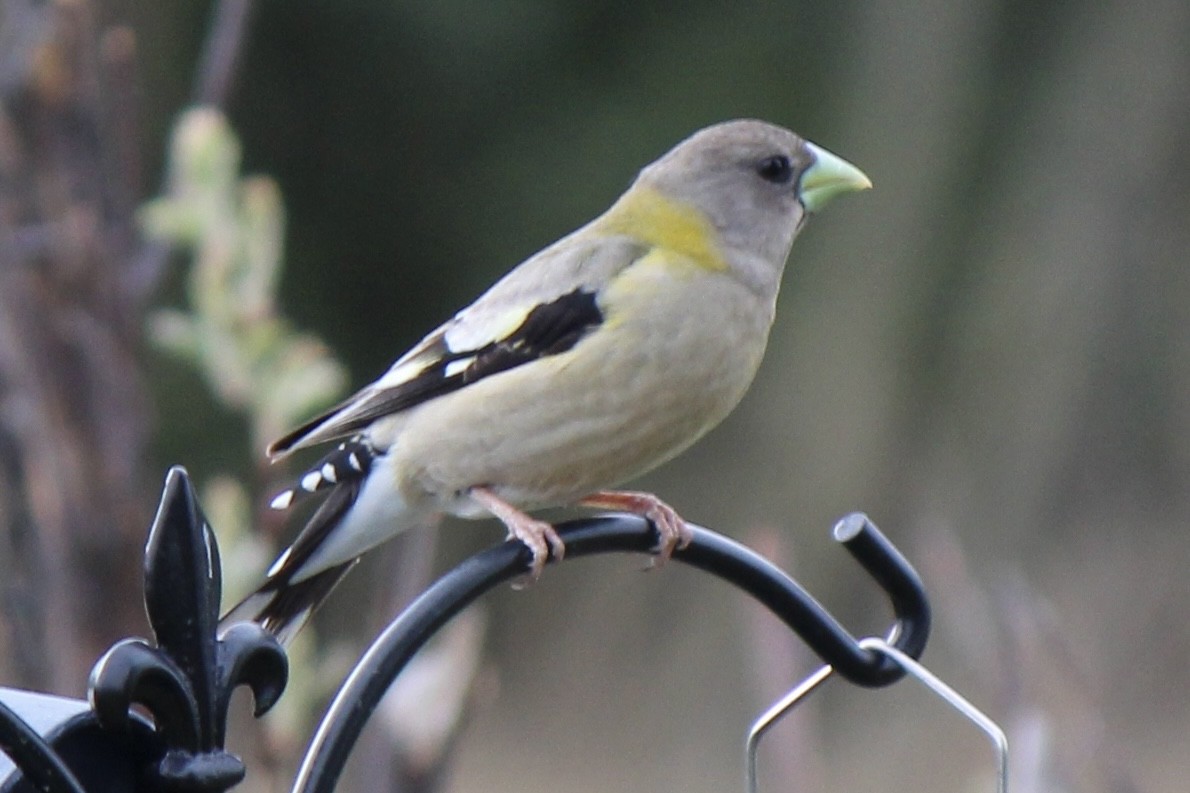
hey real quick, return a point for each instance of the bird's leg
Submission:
(672, 530)
(540, 537)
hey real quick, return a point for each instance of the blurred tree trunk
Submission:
(73, 410)
(75, 276)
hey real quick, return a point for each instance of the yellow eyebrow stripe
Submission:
(646, 215)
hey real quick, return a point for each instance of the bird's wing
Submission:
(543, 307)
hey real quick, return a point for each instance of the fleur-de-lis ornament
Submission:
(185, 679)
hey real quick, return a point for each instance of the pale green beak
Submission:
(827, 177)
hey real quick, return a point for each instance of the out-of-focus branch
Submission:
(222, 52)
(213, 84)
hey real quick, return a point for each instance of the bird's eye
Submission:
(778, 170)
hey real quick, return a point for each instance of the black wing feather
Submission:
(286, 441)
(549, 329)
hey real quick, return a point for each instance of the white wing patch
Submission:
(401, 372)
(454, 367)
(472, 329)
(476, 328)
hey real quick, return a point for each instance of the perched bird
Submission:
(590, 363)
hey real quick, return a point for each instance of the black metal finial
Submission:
(186, 679)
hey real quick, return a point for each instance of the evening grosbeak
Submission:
(590, 363)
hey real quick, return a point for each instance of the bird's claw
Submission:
(543, 542)
(539, 537)
(673, 533)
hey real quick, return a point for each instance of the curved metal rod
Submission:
(33, 757)
(786, 598)
(714, 553)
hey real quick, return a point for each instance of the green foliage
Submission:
(253, 359)
(232, 332)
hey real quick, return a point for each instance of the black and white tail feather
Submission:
(282, 606)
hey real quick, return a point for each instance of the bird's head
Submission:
(753, 181)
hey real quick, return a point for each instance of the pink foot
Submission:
(673, 532)
(540, 537)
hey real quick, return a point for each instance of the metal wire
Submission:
(795, 697)
(955, 700)
(772, 716)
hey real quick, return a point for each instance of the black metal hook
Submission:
(362, 691)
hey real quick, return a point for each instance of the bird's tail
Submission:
(301, 579)
(283, 608)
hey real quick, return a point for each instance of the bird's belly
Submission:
(552, 431)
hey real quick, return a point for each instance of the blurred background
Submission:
(989, 353)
